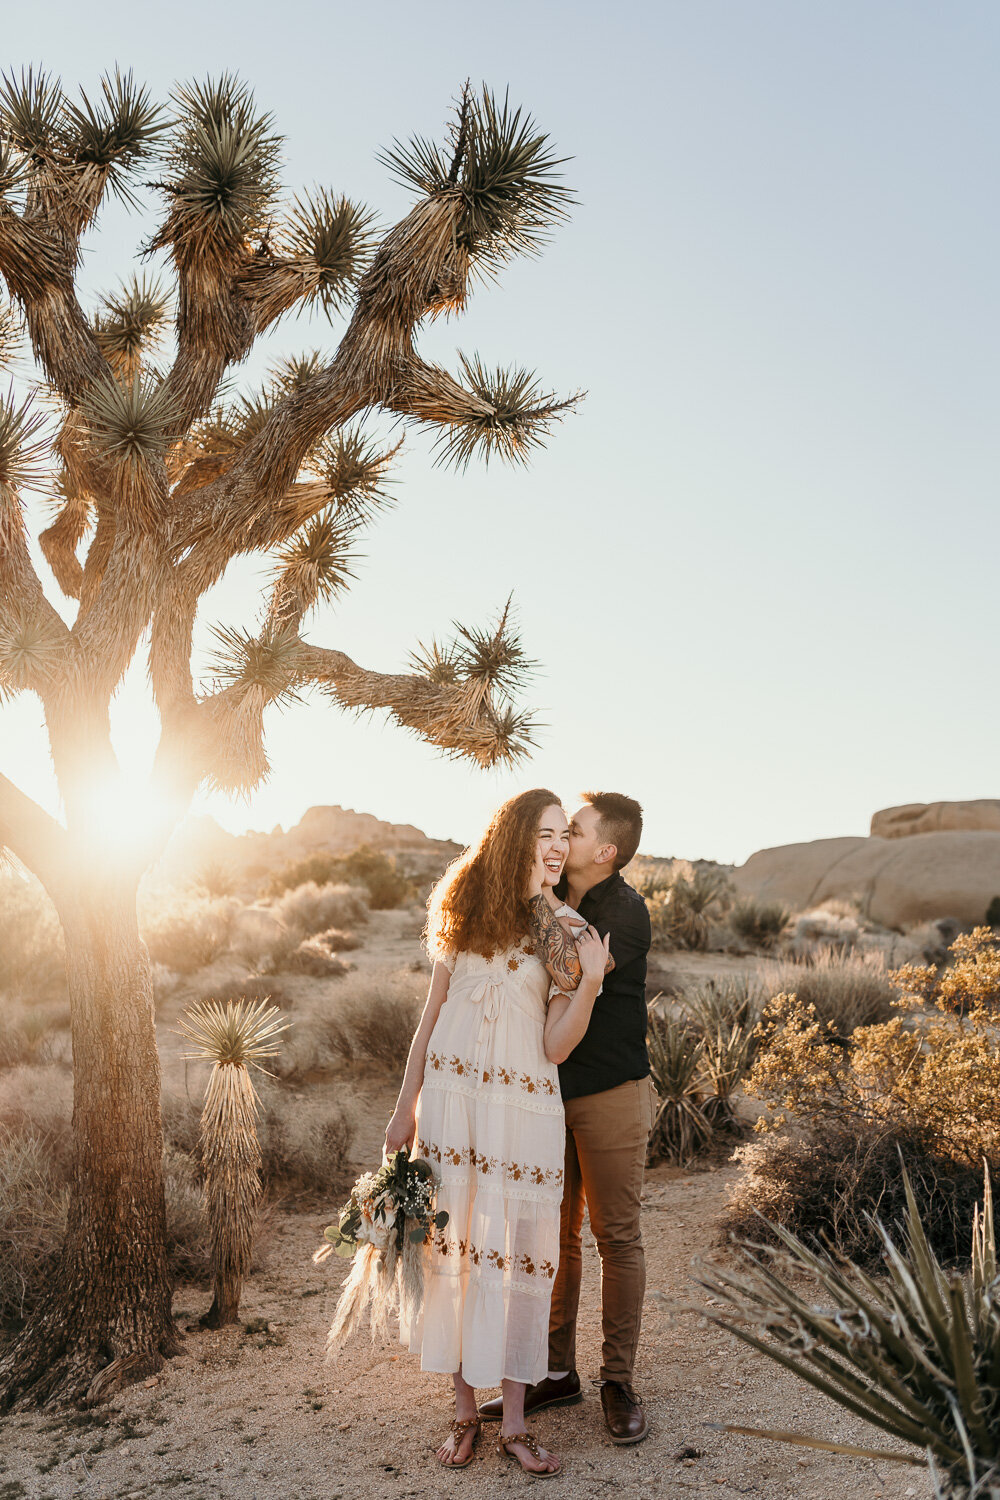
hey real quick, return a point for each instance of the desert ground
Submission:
(258, 1410)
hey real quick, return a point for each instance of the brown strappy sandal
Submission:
(532, 1447)
(458, 1430)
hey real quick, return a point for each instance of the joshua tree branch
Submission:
(38, 268)
(38, 841)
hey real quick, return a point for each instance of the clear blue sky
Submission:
(758, 566)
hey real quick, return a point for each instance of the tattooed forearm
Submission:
(554, 946)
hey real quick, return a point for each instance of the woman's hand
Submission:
(593, 951)
(539, 876)
(400, 1131)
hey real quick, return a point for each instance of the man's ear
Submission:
(605, 854)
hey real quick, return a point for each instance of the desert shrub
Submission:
(833, 925)
(759, 923)
(378, 1030)
(338, 941)
(992, 917)
(829, 1187)
(216, 878)
(681, 911)
(181, 1132)
(971, 982)
(310, 908)
(845, 989)
(32, 954)
(27, 1040)
(649, 876)
(301, 1148)
(377, 872)
(188, 1240)
(34, 1196)
(925, 1082)
(728, 999)
(314, 959)
(371, 1020)
(185, 933)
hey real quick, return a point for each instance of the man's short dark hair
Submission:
(620, 823)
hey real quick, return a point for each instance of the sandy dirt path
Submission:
(254, 1413)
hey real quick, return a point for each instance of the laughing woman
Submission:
(480, 1099)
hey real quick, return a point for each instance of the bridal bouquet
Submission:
(383, 1226)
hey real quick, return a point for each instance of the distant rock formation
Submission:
(897, 881)
(200, 842)
(937, 817)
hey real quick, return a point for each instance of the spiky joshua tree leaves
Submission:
(159, 477)
(233, 1040)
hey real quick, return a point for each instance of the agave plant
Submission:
(680, 1128)
(917, 1354)
(233, 1040)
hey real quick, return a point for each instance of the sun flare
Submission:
(124, 815)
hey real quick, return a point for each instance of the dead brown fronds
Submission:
(233, 1039)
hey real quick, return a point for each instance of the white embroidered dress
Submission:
(490, 1118)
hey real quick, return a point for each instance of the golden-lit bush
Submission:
(303, 1147)
(921, 1087)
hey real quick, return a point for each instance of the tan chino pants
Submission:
(606, 1136)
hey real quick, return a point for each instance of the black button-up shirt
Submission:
(613, 1048)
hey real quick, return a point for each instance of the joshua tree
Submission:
(234, 1040)
(159, 483)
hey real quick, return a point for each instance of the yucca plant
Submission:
(680, 1128)
(916, 1354)
(680, 912)
(234, 1040)
(759, 923)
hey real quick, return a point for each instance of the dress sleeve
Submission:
(446, 957)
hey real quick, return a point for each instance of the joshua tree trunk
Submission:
(109, 1311)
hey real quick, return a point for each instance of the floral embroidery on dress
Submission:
(468, 1156)
(462, 1068)
(477, 1255)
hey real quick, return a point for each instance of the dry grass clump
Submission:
(758, 923)
(189, 1244)
(924, 1084)
(846, 990)
(253, 987)
(32, 953)
(834, 924)
(370, 1019)
(311, 908)
(34, 1197)
(186, 932)
(27, 1040)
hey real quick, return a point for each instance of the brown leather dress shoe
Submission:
(546, 1393)
(623, 1413)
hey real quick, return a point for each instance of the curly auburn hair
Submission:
(479, 905)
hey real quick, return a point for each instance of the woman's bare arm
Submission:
(401, 1128)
